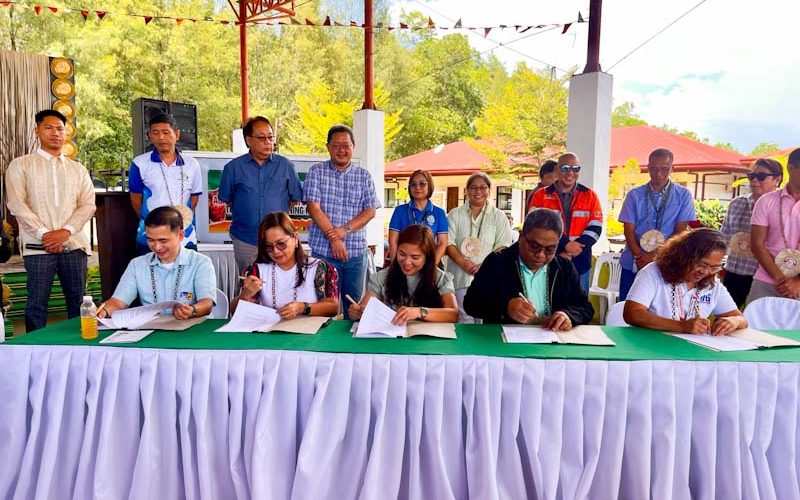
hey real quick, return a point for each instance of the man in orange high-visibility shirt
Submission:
(580, 208)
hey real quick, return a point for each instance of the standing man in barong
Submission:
(651, 214)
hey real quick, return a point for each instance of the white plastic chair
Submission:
(773, 313)
(611, 292)
(614, 316)
(220, 311)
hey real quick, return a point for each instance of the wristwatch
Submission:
(423, 313)
(307, 310)
(194, 311)
(348, 229)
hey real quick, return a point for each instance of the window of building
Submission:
(390, 197)
(504, 197)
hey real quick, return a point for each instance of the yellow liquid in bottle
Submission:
(88, 328)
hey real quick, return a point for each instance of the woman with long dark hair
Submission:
(284, 277)
(412, 285)
(679, 290)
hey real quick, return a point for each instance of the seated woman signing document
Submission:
(679, 290)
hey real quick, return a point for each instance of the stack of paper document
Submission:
(746, 339)
(376, 323)
(148, 317)
(251, 317)
(530, 334)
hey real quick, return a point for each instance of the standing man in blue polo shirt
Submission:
(164, 177)
(256, 184)
(341, 200)
(651, 214)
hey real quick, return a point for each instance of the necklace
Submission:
(174, 289)
(274, 293)
(678, 313)
(166, 184)
(547, 290)
(659, 208)
(412, 214)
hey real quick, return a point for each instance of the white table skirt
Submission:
(137, 423)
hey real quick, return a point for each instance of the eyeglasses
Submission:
(263, 138)
(420, 184)
(759, 176)
(278, 245)
(340, 147)
(478, 188)
(535, 248)
(702, 266)
(575, 168)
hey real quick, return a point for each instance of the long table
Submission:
(199, 414)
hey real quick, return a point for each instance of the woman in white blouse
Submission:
(284, 278)
(679, 290)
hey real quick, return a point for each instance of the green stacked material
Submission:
(19, 293)
(633, 344)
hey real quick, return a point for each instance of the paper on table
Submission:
(134, 317)
(439, 330)
(376, 322)
(524, 334)
(306, 325)
(763, 339)
(717, 343)
(126, 336)
(585, 335)
(250, 317)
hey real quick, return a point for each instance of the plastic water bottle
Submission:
(88, 318)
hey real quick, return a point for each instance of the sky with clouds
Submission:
(727, 70)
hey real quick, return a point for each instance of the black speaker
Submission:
(142, 110)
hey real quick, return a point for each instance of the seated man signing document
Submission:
(170, 272)
(528, 283)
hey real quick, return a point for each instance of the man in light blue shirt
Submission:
(168, 273)
(254, 185)
(659, 205)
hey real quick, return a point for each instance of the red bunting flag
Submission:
(85, 14)
(5, 4)
(100, 13)
(179, 20)
(458, 23)
(225, 22)
(353, 24)
(309, 22)
(486, 32)
(403, 26)
(37, 9)
(430, 23)
(327, 21)
(580, 18)
(147, 20)
(54, 10)
(566, 27)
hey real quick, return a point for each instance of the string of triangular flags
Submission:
(283, 21)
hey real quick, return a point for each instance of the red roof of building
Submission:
(460, 158)
(690, 155)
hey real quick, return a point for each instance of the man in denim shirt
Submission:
(256, 184)
(341, 200)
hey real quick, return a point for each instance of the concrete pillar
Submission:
(368, 130)
(589, 135)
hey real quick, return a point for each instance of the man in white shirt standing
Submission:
(52, 198)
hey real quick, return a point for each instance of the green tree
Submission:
(726, 145)
(531, 111)
(765, 148)
(625, 115)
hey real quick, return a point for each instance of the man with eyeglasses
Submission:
(164, 177)
(651, 214)
(775, 238)
(254, 185)
(581, 211)
(528, 283)
(341, 200)
(52, 197)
